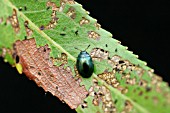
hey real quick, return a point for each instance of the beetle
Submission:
(84, 64)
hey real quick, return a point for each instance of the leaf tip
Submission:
(19, 68)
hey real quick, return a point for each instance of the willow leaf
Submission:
(120, 82)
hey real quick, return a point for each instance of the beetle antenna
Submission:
(77, 48)
(87, 47)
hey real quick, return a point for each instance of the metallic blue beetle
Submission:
(85, 64)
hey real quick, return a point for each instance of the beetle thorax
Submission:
(83, 54)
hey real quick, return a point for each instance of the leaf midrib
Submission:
(143, 110)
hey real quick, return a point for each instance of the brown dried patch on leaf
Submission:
(99, 54)
(68, 1)
(84, 105)
(1, 20)
(61, 59)
(52, 24)
(138, 70)
(125, 69)
(122, 89)
(83, 21)
(156, 79)
(62, 5)
(127, 107)
(14, 21)
(110, 78)
(129, 80)
(115, 59)
(77, 75)
(97, 25)
(143, 83)
(120, 66)
(29, 31)
(93, 35)
(4, 51)
(102, 95)
(155, 100)
(59, 81)
(53, 5)
(63, 2)
(71, 13)
(157, 82)
(167, 96)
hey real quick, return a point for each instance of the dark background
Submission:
(142, 26)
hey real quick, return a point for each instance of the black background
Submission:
(142, 26)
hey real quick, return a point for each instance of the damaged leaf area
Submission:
(133, 81)
(38, 67)
(41, 40)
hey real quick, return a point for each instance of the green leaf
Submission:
(120, 82)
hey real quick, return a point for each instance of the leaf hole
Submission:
(25, 8)
(109, 58)
(101, 94)
(141, 83)
(87, 95)
(115, 101)
(62, 34)
(106, 45)
(17, 59)
(25, 37)
(82, 106)
(102, 50)
(20, 8)
(116, 50)
(45, 50)
(39, 73)
(121, 62)
(31, 66)
(85, 101)
(123, 73)
(148, 89)
(76, 32)
(47, 8)
(42, 27)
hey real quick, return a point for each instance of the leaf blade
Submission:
(63, 46)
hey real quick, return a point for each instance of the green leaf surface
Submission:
(135, 88)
